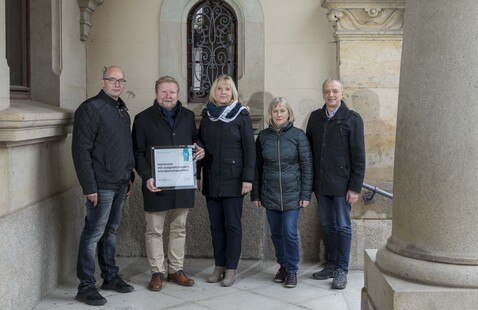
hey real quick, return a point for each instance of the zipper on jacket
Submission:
(280, 172)
(121, 116)
(322, 146)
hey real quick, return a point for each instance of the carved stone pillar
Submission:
(87, 7)
(431, 259)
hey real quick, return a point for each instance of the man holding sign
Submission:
(165, 124)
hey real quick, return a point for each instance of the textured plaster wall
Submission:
(300, 54)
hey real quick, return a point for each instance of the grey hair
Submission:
(278, 101)
(106, 69)
(333, 80)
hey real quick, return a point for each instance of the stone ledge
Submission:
(30, 122)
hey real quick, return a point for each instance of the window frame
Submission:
(22, 91)
(190, 42)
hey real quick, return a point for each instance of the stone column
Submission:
(369, 42)
(433, 250)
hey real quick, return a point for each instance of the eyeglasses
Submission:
(113, 81)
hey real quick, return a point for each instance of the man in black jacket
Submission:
(103, 157)
(336, 135)
(166, 123)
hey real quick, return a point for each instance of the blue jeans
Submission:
(334, 215)
(226, 230)
(99, 232)
(284, 236)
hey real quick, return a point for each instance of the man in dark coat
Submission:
(103, 158)
(336, 135)
(166, 123)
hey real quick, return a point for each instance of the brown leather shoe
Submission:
(180, 278)
(156, 282)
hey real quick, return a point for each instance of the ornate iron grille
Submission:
(212, 48)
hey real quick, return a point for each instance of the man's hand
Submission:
(256, 203)
(246, 187)
(352, 197)
(151, 187)
(93, 198)
(130, 189)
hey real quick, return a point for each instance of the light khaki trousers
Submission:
(177, 239)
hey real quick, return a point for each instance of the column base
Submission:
(385, 292)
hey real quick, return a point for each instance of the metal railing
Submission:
(368, 197)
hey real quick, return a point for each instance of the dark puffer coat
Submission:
(283, 168)
(150, 129)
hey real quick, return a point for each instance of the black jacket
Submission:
(284, 172)
(101, 145)
(150, 129)
(338, 150)
(230, 155)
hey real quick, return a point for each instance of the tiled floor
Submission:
(254, 289)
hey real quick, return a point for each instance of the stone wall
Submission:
(38, 248)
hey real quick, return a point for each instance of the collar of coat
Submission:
(118, 104)
(341, 113)
(284, 128)
(176, 109)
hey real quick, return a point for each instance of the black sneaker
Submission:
(91, 297)
(340, 279)
(291, 280)
(280, 275)
(324, 274)
(117, 284)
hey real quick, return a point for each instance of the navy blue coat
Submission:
(230, 155)
(338, 149)
(283, 168)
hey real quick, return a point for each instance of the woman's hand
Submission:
(304, 203)
(199, 152)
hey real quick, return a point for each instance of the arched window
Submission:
(212, 47)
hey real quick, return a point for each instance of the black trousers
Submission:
(226, 229)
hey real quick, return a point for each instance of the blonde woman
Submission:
(228, 173)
